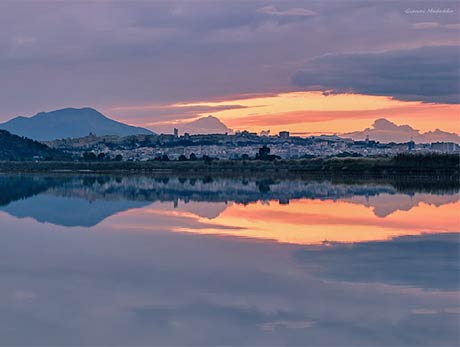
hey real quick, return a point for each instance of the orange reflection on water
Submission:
(309, 221)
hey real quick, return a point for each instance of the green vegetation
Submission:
(405, 167)
(431, 160)
(91, 156)
(17, 148)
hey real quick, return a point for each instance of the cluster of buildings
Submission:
(240, 145)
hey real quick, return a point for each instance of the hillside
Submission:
(13, 147)
(68, 123)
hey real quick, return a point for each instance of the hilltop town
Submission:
(241, 145)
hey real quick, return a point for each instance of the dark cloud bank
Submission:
(428, 74)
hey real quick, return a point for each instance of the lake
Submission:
(133, 260)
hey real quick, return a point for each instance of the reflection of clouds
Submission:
(286, 324)
(316, 211)
(87, 200)
(115, 288)
(173, 288)
(425, 261)
(428, 311)
(237, 315)
(161, 217)
(386, 204)
(314, 221)
(23, 295)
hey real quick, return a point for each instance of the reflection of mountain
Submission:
(87, 200)
(429, 261)
(67, 211)
(205, 210)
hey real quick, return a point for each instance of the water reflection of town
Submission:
(88, 200)
(373, 258)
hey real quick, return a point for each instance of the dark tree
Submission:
(264, 154)
(264, 151)
(207, 159)
(89, 156)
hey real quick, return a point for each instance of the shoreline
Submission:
(377, 168)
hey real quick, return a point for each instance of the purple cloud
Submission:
(103, 54)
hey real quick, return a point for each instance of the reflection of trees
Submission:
(206, 189)
(23, 187)
(264, 185)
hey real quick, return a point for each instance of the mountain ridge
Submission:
(68, 123)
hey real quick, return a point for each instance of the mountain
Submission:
(69, 122)
(14, 147)
(204, 125)
(385, 131)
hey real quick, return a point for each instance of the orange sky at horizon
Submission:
(309, 112)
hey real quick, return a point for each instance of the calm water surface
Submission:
(173, 261)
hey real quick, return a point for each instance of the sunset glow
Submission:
(304, 113)
(335, 113)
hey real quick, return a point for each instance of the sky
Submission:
(303, 66)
